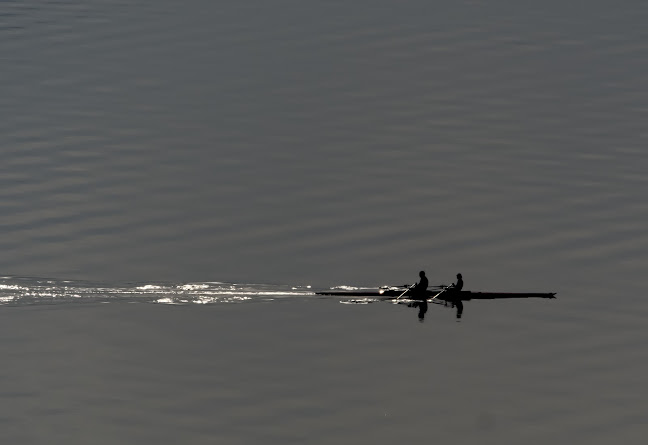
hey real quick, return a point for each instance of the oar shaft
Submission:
(444, 289)
(411, 287)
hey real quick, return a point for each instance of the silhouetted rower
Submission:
(455, 292)
(419, 291)
(459, 284)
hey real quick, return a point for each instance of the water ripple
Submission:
(323, 143)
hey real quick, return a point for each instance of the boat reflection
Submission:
(422, 307)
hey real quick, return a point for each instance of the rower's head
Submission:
(459, 276)
(421, 274)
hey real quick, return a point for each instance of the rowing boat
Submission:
(465, 295)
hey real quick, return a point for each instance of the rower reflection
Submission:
(422, 307)
(459, 306)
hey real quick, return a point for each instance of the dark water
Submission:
(163, 363)
(326, 143)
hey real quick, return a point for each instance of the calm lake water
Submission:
(340, 143)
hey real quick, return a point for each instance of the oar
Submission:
(444, 289)
(411, 287)
(436, 286)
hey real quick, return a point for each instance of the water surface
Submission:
(151, 149)
(320, 143)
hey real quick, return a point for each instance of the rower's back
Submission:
(459, 285)
(420, 290)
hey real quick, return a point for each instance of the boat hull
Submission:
(446, 296)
